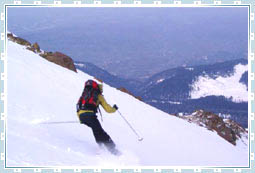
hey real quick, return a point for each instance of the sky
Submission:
(128, 42)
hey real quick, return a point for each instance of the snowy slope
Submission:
(40, 91)
(229, 86)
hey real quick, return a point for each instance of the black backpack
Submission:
(89, 97)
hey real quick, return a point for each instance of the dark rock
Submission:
(237, 128)
(18, 40)
(45, 54)
(31, 49)
(128, 92)
(60, 59)
(36, 47)
(227, 129)
(10, 36)
(57, 57)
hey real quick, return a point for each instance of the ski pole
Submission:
(139, 138)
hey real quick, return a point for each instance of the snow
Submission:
(225, 116)
(160, 80)
(229, 86)
(176, 103)
(190, 69)
(41, 91)
(79, 64)
(170, 102)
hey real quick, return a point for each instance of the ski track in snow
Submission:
(222, 86)
(40, 91)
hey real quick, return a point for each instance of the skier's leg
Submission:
(103, 138)
(91, 121)
(100, 135)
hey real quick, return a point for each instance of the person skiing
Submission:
(87, 106)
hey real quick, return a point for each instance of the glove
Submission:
(115, 107)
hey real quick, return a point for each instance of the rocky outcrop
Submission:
(128, 92)
(36, 47)
(227, 129)
(238, 130)
(60, 59)
(56, 57)
(18, 40)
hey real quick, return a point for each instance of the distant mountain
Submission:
(176, 84)
(244, 79)
(220, 88)
(106, 77)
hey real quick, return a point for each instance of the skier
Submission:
(87, 107)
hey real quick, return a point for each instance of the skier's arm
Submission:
(105, 105)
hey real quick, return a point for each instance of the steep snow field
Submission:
(40, 91)
(206, 86)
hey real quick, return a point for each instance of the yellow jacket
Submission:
(103, 103)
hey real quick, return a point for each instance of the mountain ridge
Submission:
(184, 76)
(106, 77)
(221, 88)
(170, 90)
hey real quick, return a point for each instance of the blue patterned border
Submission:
(177, 3)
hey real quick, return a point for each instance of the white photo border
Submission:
(4, 4)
